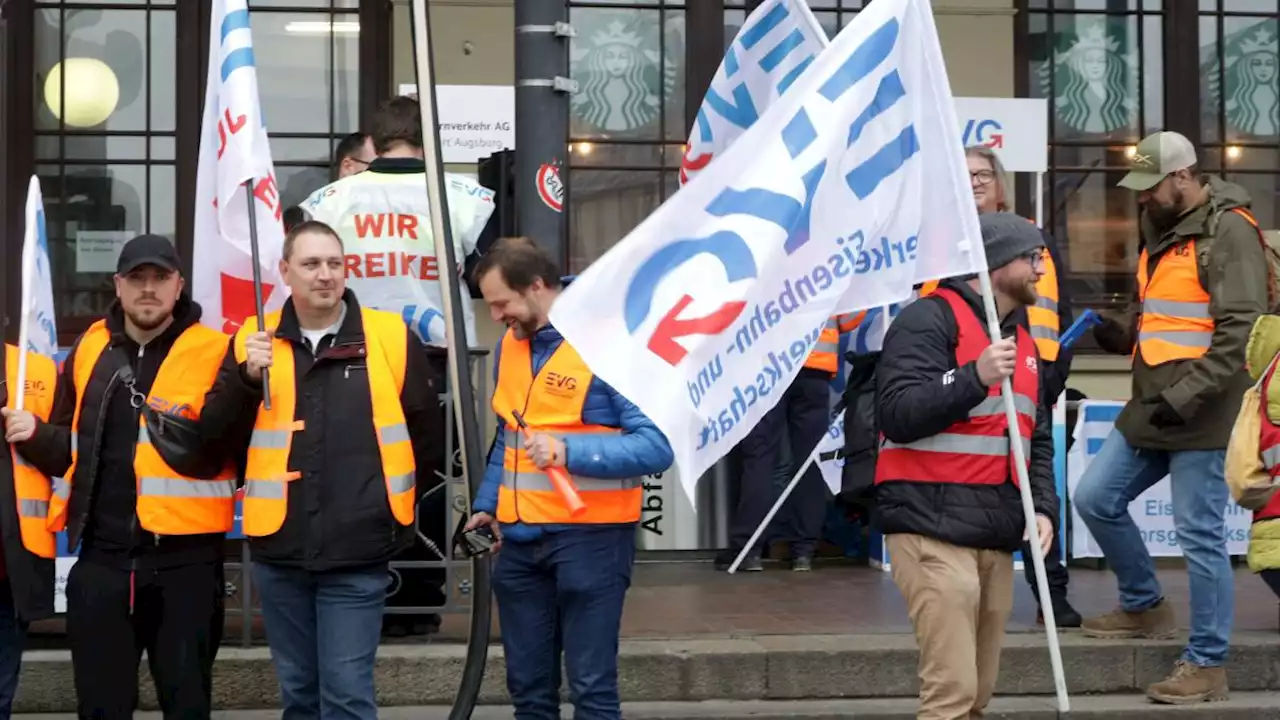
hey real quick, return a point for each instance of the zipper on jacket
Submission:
(133, 458)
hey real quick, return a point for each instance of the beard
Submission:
(1164, 217)
(1024, 293)
(147, 322)
(525, 329)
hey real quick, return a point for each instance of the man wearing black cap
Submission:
(149, 574)
(946, 494)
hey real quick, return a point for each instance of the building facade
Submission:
(102, 100)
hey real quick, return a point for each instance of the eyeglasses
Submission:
(983, 177)
(1035, 257)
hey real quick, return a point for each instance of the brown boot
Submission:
(1156, 624)
(1189, 684)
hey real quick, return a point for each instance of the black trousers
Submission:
(1054, 571)
(801, 417)
(176, 617)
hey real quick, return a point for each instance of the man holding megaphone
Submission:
(561, 495)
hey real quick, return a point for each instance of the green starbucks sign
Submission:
(1248, 88)
(1093, 77)
(617, 61)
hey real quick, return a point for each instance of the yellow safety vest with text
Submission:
(31, 487)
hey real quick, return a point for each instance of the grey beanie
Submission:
(1006, 237)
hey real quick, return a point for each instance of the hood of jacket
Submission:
(1199, 221)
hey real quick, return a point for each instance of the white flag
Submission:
(38, 330)
(774, 46)
(851, 188)
(233, 150)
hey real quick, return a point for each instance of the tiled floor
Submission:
(692, 599)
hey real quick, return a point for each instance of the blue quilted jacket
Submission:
(640, 450)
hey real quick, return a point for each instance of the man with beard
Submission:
(149, 575)
(561, 579)
(1202, 281)
(947, 496)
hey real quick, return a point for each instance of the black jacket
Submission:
(338, 512)
(30, 576)
(913, 403)
(103, 507)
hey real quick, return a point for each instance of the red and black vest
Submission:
(1269, 448)
(976, 450)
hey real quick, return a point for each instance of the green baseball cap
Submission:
(1155, 157)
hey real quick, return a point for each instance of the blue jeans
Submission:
(13, 636)
(1115, 477)
(323, 629)
(564, 592)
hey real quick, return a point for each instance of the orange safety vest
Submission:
(824, 354)
(168, 503)
(30, 486)
(928, 288)
(976, 450)
(551, 402)
(1043, 316)
(1175, 323)
(267, 472)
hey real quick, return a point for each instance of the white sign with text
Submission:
(1017, 129)
(476, 121)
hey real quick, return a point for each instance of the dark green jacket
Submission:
(1205, 391)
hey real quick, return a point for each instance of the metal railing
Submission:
(458, 581)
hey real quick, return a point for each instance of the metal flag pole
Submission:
(257, 282)
(459, 365)
(782, 499)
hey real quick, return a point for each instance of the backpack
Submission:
(1270, 241)
(861, 433)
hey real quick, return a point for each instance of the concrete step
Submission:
(757, 668)
(1241, 706)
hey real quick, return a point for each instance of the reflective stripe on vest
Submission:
(1269, 447)
(1175, 323)
(168, 503)
(267, 472)
(31, 487)
(552, 402)
(974, 451)
(826, 352)
(1042, 318)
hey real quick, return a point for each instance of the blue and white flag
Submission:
(776, 43)
(850, 189)
(38, 331)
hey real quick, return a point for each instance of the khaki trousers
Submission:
(959, 600)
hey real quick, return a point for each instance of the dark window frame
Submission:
(192, 30)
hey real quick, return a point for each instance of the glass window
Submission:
(1240, 91)
(105, 122)
(1100, 65)
(627, 120)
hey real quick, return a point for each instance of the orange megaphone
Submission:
(559, 477)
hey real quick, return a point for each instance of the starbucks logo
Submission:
(1250, 80)
(1093, 77)
(619, 69)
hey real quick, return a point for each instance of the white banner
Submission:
(1017, 129)
(774, 46)
(233, 150)
(1152, 510)
(38, 330)
(717, 298)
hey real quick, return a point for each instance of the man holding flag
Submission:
(28, 378)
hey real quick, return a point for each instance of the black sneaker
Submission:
(1063, 614)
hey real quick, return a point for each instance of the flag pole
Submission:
(786, 493)
(28, 271)
(257, 282)
(458, 352)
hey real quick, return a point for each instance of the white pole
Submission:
(777, 505)
(1028, 507)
